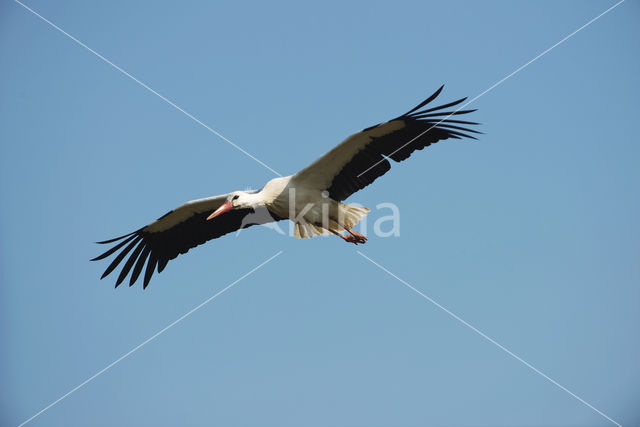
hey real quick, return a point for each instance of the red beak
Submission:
(222, 209)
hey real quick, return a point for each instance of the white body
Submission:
(313, 212)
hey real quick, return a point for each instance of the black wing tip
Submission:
(433, 96)
(115, 239)
(446, 114)
(456, 128)
(477, 133)
(141, 259)
(461, 122)
(133, 239)
(418, 112)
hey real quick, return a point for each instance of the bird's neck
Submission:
(255, 200)
(273, 190)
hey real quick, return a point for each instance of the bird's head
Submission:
(236, 200)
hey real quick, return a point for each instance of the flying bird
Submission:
(312, 198)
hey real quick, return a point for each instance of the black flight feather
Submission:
(159, 247)
(420, 129)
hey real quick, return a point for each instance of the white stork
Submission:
(311, 198)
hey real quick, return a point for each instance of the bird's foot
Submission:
(361, 238)
(355, 238)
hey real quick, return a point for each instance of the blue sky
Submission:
(530, 234)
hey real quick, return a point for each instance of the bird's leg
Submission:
(352, 237)
(345, 238)
(359, 237)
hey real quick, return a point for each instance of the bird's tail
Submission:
(348, 215)
(351, 215)
(306, 230)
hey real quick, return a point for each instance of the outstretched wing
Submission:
(362, 158)
(173, 234)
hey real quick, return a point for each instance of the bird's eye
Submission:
(235, 197)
